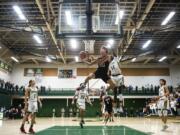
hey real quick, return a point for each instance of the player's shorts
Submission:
(32, 107)
(163, 106)
(118, 80)
(101, 75)
(81, 105)
(109, 110)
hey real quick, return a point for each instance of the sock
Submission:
(22, 126)
(31, 126)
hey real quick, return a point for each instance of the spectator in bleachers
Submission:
(151, 88)
(178, 104)
(136, 88)
(17, 88)
(173, 103)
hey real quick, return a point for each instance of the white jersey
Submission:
(114, 67)
(81, 96)
(33, 94)
(163, 103)
(162, 93)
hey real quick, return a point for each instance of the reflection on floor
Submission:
(90, 130)
(68, 126)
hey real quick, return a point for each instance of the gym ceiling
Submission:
(31, 35)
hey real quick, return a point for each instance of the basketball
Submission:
(82, 55)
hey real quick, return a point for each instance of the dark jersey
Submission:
(108, 102)
(103, 68)
(102, 71)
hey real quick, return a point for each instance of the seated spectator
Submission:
(173, 103)
(17, 88)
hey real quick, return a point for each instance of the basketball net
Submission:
(89, 46)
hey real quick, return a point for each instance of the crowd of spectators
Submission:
(149, 109)
(174, 104)
(12, 112)
(13, 88)
(10, 87)
(146, 88)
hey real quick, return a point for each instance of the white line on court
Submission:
(124, 131)
(90, 129)
(66, 131)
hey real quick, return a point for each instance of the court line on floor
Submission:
(87, 129)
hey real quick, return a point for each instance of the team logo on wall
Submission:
(5, 66)
(33, 72)
(65, 73)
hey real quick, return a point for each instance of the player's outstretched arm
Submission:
(89, 101)
(74, 97)
(94, 61)
(40, 103)
(166, 90)
(73, 100)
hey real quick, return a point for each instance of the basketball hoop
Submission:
(89, 46)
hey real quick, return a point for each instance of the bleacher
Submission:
(70, 92)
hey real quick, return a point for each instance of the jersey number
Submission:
(34, 96)
(112, 67)
(82, 97)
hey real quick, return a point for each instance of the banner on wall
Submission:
(5, 66)
(65, 73)
(33, 72)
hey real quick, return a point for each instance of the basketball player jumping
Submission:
(108, 103)
(102, 70)
(163, 102)
(116, 75)
(82, 96)
(31, 106)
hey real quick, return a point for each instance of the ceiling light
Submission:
(119, 16)
(19, 12)
(13, 58)
(163, 58)
(133, 60)
(73, 43)
(147, 44)
(38, 40)
(68, 17)
(76, 58)
(168, 18)
(109, 46)
(52, 57)
(178, 46)
(111, 41)
(48, 59)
